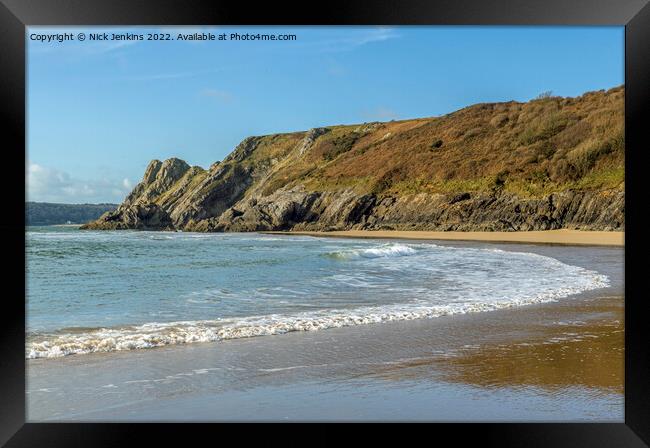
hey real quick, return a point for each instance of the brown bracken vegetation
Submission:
(546, 145)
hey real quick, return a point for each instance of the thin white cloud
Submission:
(376, 35)
(106, 47)
(353, 39)
(45, 184)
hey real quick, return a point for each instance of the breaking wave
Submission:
(155, 334)
(386, 251)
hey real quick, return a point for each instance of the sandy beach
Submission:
(557, 361)
(562, 236)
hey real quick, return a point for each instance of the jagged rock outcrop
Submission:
(139, 210)
(139, 217)
(547, 164)
(221, 187)
(158, 179)
(310, 138)
(504, 212)
(301, 210)
(296, 209)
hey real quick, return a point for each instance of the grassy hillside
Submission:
(529, 149)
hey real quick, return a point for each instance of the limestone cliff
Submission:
(547, 164)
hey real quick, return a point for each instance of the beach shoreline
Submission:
(555, 361)
(559, 361)
(560, 237)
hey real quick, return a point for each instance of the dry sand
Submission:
(562, 236)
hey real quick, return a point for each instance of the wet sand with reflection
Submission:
(576, 353)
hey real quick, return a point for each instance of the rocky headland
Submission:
(550, 163)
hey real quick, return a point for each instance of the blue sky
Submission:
(98, 112)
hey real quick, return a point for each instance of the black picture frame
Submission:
(15, 15)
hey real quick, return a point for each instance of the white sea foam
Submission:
(386, 251)
(184, 332)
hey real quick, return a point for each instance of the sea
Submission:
(125, 291)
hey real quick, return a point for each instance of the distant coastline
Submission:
(49, 213)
